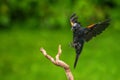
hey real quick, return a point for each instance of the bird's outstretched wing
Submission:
(95, 29)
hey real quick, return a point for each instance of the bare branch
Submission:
(47, 56)
(59, 62)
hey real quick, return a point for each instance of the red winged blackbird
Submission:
(81, 35)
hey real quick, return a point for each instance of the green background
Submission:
(27, 25)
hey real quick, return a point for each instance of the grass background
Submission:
(28, 25)
(20, 58)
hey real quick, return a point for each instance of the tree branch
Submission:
(59, 62)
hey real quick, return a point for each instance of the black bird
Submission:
(82, 35)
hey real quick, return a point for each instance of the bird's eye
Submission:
(75, 24)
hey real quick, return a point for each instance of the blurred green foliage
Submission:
(52, 14)
(27, 25)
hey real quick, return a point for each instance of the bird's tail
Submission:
(78, 52)
(76, 60)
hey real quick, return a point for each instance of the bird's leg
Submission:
(71, 44)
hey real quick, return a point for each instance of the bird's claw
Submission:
(71, 44)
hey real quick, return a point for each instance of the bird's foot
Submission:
(71, 44)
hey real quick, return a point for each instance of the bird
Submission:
(84, 34)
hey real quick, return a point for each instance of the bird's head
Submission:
(74, 22)
(75, 26)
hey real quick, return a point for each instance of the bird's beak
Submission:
(72, 23)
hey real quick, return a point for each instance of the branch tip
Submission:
(58, 62)
(43, 51)
(59, 49)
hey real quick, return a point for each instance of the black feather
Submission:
(76, 60)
